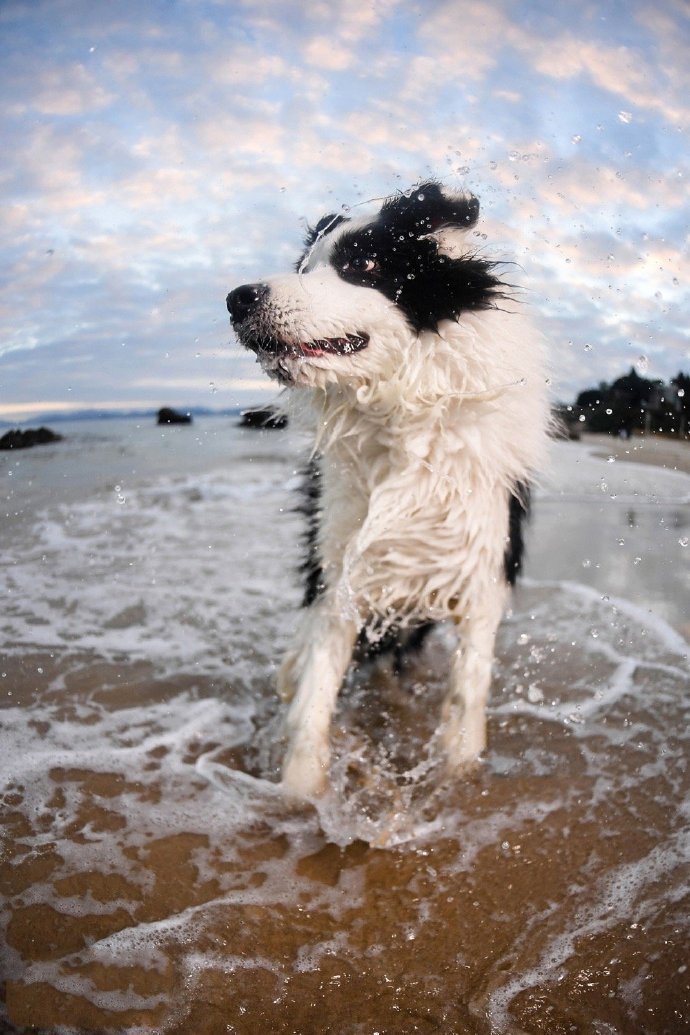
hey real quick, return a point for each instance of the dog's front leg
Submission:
(463, 727)
(316, 672)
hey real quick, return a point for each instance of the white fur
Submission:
(422, 438)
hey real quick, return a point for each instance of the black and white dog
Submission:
(426, 390)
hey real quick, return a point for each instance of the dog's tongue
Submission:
(340, 346)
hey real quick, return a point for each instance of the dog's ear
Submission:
(324, 226)
(314, 233)
(429, 208)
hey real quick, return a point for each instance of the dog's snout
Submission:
(244, 299)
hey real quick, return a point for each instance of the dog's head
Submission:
(365, 287)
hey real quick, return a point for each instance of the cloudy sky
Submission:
(158, 152)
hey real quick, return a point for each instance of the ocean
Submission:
(155, 881)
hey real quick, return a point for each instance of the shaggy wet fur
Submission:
(425, 389)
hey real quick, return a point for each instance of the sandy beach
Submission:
(156, 882)
(667, 453)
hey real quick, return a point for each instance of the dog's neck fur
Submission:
(429, 410)
(406, 457)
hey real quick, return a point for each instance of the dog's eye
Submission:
(361, 264)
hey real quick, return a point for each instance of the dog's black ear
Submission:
(324, 226)
(428, 208)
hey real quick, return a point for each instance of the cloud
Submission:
(154, 160)
(62, 91)
(322, 52)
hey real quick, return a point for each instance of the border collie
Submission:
(426, 391)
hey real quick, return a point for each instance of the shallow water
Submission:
(156, 882)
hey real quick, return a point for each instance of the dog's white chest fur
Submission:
(413, 468)
(425, 391)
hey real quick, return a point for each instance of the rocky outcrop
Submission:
(25, 438)
(167, 415)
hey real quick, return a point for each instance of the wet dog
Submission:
(425, 387)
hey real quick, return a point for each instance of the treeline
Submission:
(634, 403)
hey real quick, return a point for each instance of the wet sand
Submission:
(667, 453)
(551, 897)
(153, 888)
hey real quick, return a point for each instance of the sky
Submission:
(157, 153)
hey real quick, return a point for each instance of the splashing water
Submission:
(158, 881)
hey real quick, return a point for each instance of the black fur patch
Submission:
(401, 643)
(310, 568)
(395, 255)
(518, 513)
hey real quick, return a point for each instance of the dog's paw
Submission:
(463, 744)
(305, 774)
(462, 768)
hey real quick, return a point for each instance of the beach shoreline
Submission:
(658, 451)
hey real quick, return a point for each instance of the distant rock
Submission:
(25, 438)
(167, 415)
(263, 417)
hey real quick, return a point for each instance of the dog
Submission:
(426, 390)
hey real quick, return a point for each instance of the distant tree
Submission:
(635, 402)
(681, 383)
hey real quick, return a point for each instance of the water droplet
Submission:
(637, 560)
(609, 411)
(586, 563)
(625, 116)
(684, 540)
(642, 363)
(610, 459)
(594, 633)
(581, 418)
(420, 197)
(576, 139)
(587, 347)
(410, 276)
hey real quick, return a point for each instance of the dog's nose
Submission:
(244, 299)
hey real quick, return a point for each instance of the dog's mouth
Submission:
(344, 345)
